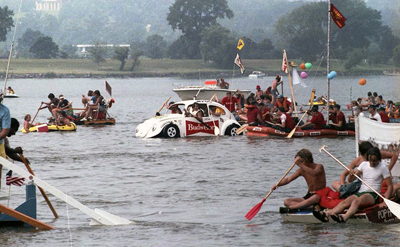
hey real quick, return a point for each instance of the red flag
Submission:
(337, 17)
(14, 180)
(108, 88)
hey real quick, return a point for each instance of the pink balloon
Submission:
(303, 75)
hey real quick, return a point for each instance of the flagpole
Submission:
(328, 60)
(290, 84)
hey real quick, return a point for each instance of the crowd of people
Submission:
(346, 197)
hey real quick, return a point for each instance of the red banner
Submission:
(337, 17)
(196, 127)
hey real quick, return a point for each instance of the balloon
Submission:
(303, 75)
(362, 82)
(303, 66)
(334, 74)
(308, 65)
(330, 76)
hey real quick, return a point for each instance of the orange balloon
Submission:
(303, 66)
(362, 82)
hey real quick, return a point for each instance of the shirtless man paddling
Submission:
(313, 173)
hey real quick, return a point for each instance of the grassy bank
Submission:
(158, 68)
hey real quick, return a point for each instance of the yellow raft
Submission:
(53, 127)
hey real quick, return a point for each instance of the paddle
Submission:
(393, 207)
(294, 129)
(158, 112)
(216, 129)
(41, 190)
(36, 113)
(253, 212)
(241, 129)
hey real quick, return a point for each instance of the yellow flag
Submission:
(240, 44)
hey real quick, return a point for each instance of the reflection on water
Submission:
(181, 192)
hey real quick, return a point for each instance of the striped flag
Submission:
(239, 63)
(14, 180)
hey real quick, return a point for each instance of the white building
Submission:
(49, 5)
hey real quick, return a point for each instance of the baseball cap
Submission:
(279, 96)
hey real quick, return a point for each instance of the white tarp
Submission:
(379, 133)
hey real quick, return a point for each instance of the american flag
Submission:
(14, 180)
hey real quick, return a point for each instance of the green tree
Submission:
(136, 54)
(121, 54)
(156, 46)
(191, 17)
(26, 41)
(218, 46)
(6, 22)
(304, 31)
(354, 58)
(68, 51)
(98, 53)
(44, 47)
(396, 56)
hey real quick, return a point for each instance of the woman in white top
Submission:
(373, 173)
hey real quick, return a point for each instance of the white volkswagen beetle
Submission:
(172, 125)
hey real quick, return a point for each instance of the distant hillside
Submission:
(130, 21)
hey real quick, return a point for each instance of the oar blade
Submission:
(254, 211)
(394, 207)
(216, 131)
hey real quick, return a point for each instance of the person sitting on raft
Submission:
(285, 121)
(373, 173)
(347, 189)
(317, 121)
(338, 119)
(27, 124)
(384, 115)
(285, 103)
(10, 90)
(313, 173)
(253, 114)
(52, 104)
(62, 119)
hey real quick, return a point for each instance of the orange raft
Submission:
(262, 131)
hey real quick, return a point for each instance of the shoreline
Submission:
(188, 75)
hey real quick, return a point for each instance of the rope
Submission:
(12, 46)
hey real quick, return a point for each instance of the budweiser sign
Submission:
(197, 127)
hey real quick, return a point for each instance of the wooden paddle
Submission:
(253, 212)
(241, 129)
(158, 112)
(393, 207)
(41, 190)
(33, 119)
(294, 129)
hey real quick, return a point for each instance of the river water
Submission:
(179, 192)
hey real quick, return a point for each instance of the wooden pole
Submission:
(328, 60)
(41, 190)
(25, 218)
(291, 85)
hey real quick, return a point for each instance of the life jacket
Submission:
(284, 104)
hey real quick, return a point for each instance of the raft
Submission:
(262, 131)
(48, 128)
(373, 214)
(108, 121)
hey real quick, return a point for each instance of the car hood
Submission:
(153, 126)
